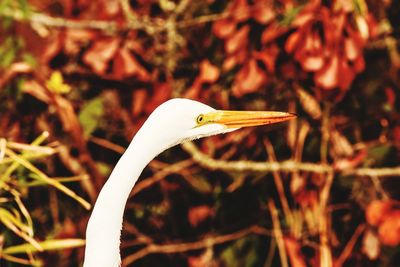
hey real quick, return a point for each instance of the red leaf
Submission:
(237, 40)
(303, 18)
(229, 63)
(224, 28)
(327, 77)
(99, 55)
(198, 214)
(52, 49)
(139, 98)
(293, 41)
(75, 39)
(359, 64)
(268, 57)
(312, 62)
(238, 58)
(13, 70)
(351, 48)
(272, 32)
(125, 65)
(346, 75)
(208, 72)
(161, 93)
(294, 252)
(240, 10)
(390, 96)
(263, 13)
(249, 79)
(203, 260)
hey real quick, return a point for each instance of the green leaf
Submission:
(90, 115)
(243, 253)
(31, 60)
(7, 58)
(379, 153)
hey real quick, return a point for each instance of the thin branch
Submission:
(285, 166)
(349, 246)
(38, 18)
(151, 25)
(278, 233)
(206, 242)
(174, 168)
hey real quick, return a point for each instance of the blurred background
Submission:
(78, 78)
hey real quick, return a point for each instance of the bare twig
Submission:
(285, 166)
(349, 246)
(196, 245)
(174, 168)
(279, 183)
(107, 144)
(147, 24)
(278, 233)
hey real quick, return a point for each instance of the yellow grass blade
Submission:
(55, 244)
(12, 223)
(44, 178)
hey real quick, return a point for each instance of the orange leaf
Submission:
(99, 55)
(224, 28)
(237, 40)
(377, 210)
(389, 230)
(208, 72)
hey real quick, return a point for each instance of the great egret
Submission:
(173, 122)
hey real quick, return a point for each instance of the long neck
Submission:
(105, 224)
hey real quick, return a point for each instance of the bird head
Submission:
(178, 120)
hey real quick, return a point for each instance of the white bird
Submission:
(173, 122)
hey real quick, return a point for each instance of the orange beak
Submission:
(239, 119)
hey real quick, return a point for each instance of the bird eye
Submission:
(200, 119)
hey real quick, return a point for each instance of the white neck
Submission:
(104, 227)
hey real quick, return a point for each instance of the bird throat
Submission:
(105, 224)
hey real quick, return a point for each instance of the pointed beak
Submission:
(239, 119)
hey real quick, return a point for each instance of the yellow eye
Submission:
(200, 119)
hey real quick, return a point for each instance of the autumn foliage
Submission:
(78, 78)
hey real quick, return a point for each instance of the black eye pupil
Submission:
(200, 118)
